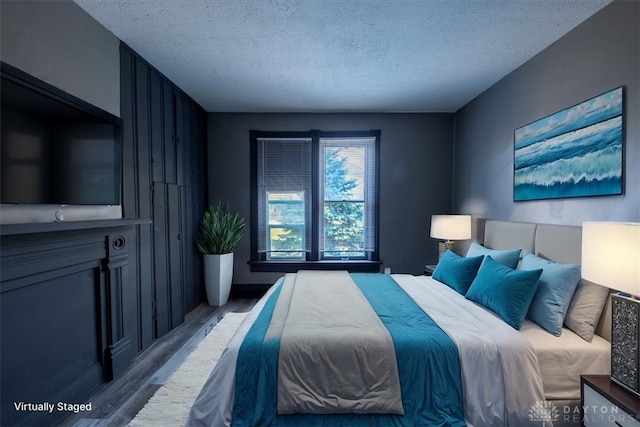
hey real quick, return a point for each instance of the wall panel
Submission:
(65, 323)
(169, 137)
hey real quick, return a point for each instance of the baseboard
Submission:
(118, 357)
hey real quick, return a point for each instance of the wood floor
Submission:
(116, 403)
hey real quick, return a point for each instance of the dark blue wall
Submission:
(416, 176)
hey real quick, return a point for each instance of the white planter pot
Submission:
(218, 272)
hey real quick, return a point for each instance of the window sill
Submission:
(353, 266)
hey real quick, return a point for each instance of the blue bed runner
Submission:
(429, 368)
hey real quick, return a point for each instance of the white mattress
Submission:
(563, 359)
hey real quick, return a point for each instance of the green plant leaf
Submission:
(220, 230)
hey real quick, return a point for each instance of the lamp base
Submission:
(625, 342)
(443, 247)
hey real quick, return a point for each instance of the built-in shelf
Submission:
(49, 227)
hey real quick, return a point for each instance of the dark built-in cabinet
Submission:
(80, 300)
(167, 131)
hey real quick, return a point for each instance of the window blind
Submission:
(284, 166)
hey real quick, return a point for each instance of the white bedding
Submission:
(336, 355)
(501, 379)
(214, 404)
(563, 359)
(500, 374)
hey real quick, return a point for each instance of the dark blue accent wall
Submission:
(415, 182)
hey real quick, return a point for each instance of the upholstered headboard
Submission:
(560, 243)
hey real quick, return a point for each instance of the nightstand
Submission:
(429, 269)
(605, 403)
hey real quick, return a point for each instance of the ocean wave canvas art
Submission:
(575, 152)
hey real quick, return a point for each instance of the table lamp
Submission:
(449, 228)
(611, 257)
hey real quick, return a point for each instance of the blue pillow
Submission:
(508, 257)
(557, 285)
(457, 272)
(505, 291)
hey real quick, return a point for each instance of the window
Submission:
(314, 200)
(285, 225)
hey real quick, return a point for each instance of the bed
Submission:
(499, 375)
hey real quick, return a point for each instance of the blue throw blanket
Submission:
(428, 365)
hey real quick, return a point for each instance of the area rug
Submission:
(170, 404)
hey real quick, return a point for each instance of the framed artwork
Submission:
(575, 152)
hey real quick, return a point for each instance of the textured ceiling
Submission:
(338, 56)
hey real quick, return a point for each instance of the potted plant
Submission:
(217, 237)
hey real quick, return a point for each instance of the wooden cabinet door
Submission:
(175, 241)
(162, 323)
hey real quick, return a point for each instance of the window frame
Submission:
(313, 261)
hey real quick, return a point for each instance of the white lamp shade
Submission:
(611, 255)
(451, 227)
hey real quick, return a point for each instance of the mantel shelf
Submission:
(50, 227)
